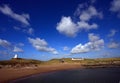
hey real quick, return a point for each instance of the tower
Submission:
(16, 56)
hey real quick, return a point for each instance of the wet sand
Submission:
(8, 74)
(79, 75)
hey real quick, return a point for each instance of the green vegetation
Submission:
(102, 62)
(86, 62)
(20, 61)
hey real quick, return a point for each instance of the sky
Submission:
(47, 29)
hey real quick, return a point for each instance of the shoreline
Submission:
(12, 74)
(15, 73)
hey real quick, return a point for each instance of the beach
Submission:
(79, 75)
(8, 74)
(21, 68)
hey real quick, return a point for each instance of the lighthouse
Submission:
(16, 56)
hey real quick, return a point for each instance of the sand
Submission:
(9, 74)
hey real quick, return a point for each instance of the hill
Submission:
(20, 62)
(100, 62)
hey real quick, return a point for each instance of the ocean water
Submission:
(91, 75)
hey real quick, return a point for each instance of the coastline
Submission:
(11, 74)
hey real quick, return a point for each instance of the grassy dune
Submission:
(19, 63)
(86, 62)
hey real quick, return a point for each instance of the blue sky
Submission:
(44, 29)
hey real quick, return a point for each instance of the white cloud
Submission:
(94, 44)
(38, 41)
(115, 6)
(17, 49)
(41, 45)
(85, 12)
(10, 47)
(65, 48)
(80, 49)
(23, 18)
(112, 33)
(113, 45)
(97, 45)
(82, 25)
(92, 37)
(5, 43)
(52, 50)
(86, 15)
(67, 27)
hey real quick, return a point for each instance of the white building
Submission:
(77, 59)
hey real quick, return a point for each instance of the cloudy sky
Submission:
(46, 29)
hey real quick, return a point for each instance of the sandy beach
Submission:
(20, 69)
(8, 74)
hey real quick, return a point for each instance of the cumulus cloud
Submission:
(70, 28)
(115, 7)
(5, 43)
(92, 37)
(67, 27)
(80, 48)
(94, 44)
(112, 33)
(17, 49)
(82, 25)
(113, 45)
(42, 45)
(23, 18)
(87, 14)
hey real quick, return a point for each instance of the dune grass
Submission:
(85, 62)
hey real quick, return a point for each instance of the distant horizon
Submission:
(44, 30)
